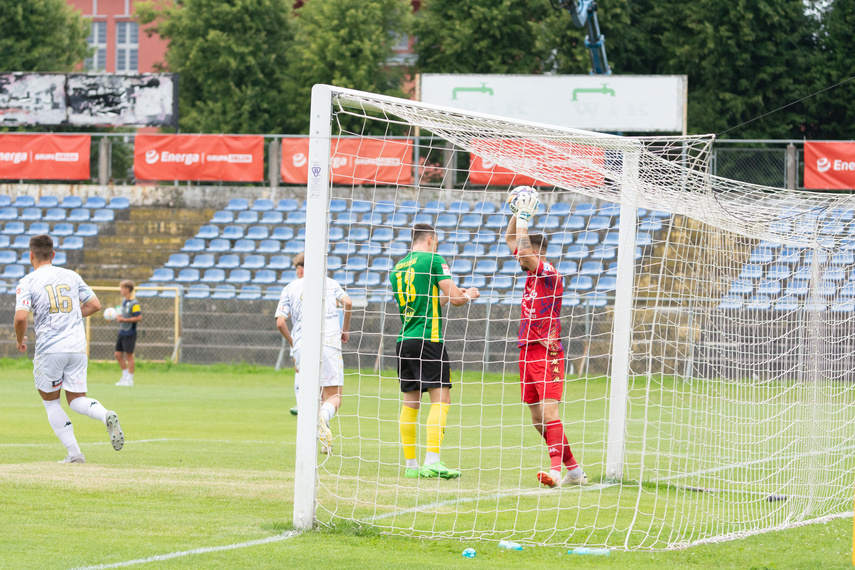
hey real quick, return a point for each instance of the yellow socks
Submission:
(436, 426)
(407, 423)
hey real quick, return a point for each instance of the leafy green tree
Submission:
(347, 43)
(231, 59)
(481, 36)
(41, 35)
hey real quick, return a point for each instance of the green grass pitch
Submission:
(208, 464)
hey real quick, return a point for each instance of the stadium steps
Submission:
(132, 247)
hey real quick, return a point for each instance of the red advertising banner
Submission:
(354, 161)
(199, 157)
(830, 165)
(570, 164)
(44, 157)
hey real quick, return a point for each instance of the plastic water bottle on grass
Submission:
(469, 553)
(508, 545)
(590, 551)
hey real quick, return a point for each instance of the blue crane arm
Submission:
(584, 14)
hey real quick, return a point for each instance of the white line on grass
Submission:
(153, 441)
(204, 550)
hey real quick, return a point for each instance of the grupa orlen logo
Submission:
(823, 164)
(151, 156)
(299, 160)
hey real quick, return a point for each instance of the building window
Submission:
(127, 46)
(97, 39)
(400, 42)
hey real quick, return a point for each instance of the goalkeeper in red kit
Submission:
(541, 354)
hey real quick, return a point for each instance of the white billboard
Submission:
(613, 103)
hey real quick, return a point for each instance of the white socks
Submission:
(58, 420)
(431, 457)
(576, 472)
(327, 411)
(296, 383)
(89, 407)
(412, 463)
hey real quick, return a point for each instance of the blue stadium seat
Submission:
(24, 202)
(14, 228)
(397, 249)
(447, 249)
(576, 251)
(472, 250)
(218, 245)
(237, 204)
(247, 217)
(554, 251)
(567, 267)
(514, 298)
(434, 207)
(24, 258)
(272, 293)
(193, 245)
(47, 202)
(103, 215)
(143, 290)
(71, 202)
(37, 228)
(834, 274)
(269, 246)
(381, 264)
(5, 201)
(30, 214)
(60, 258)
(381, 235)
(643, 239)
(244, 246)
(342, 248)
(501, 282)
(594, 268)
(510, 267)
(499, 250)
(187, 275)
(470, 221)
(484, 208)
(650, 226)
(368, 279)
(163, 274)
(21, 242)
(398, 219)
(257, 232)
(170, 293)
(758, 303)
(580, 283)
(384, 207)
(282, 233)
(658, 214)
(741, 287)
(338, 205)
(54, 215)
(787, 303)
(409, 207)
(7, 256)
(447, 221)
(197, 291)
(843, 258)
(253, 261)
(336, 234)
(357, 235)
(574, 223)
(213, 275)
(456, 236)
(356, 264)
(610, 210)
(459, 207)
(461, 267)
(224, 292)
(548, 222)
(208, 231)
(264, 277)
(4, 241)
(751, 271)
(496, 222)
(604, 252)
(178, 260)
(346, 219)
(232, 232)
(848, 289)
(13, 271)
(280, 262)
(486, 267)
(95, 203)
(262, 205)
(559, 209)
(478, 281)
(72, 243)
(119, 203)
(200, 261)
(86, 230)
(344, 278)
(272, 217)
(8, 213)
(612, 238)
(404, 236)
(821, 256)
(334, 263)
(239, 276)
(816, 306)
(287, 205)
(223, 217)
(78, 215)
(585, 209)
(599, 223)
(296, 218)
(423, 219)
(790, 255)
(778, 271)
(761, 255)
(228, 261)
(360, 206)
(288, 276)
(596, 299)
(769, 287)
(770, 244)
(561, 238)
(371, 219)
(803, 273)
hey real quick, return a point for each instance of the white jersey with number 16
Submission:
(54, 296)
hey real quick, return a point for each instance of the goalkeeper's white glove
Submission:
(526, 209)
(514, 195)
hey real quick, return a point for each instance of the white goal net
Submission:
(707, 327)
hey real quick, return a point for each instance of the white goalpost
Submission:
(707, 326)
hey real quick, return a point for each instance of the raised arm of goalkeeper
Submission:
(516, 236)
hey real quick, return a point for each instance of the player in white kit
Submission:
(335, 333)
(59, 300)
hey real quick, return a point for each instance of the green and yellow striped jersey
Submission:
(415, 282)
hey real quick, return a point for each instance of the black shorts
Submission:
(126, 344)
(422, 365)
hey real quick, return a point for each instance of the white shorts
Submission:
(55, 370)
(332, 367)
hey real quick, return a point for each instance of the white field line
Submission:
(127, 441)
(203, 550)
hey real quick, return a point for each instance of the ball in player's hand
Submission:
(516, 193)
(110, 314)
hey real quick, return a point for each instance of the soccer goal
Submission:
(707, 326)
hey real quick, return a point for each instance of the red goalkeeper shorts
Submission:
(541, 373)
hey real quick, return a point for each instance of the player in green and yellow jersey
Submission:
(422, 284)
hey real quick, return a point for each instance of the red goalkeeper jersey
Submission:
(540, 319)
